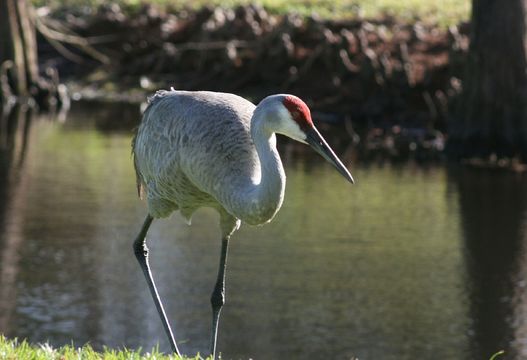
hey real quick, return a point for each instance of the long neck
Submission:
(267, 191)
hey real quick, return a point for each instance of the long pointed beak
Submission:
(320, 145)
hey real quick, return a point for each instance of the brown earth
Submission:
(384, 82)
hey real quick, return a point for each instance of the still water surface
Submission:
(410, 263)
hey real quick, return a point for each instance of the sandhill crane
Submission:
(195, 149)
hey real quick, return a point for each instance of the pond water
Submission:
(412, 262)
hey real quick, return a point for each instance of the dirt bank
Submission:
(388, 82)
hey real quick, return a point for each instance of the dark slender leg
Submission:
(141, 253)
(218, 295)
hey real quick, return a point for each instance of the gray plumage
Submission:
(195, 149)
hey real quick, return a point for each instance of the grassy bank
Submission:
(445, 12)
(16, 350)
(22, 350)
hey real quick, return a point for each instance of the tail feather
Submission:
(151, 101)
(138, 177)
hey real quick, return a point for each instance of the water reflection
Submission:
(14, 132)
(411, 263)
(493, 209)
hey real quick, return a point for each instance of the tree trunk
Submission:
(18, 47)
(490, 117)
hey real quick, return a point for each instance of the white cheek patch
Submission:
(289, 127)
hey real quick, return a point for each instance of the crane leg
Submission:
(141, 253)
(218, 295)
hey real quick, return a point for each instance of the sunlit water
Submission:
(410, 263)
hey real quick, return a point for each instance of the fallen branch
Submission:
(5, 89)
(55, 37)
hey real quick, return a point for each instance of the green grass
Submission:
(22, 350)
(443, 12)
(495, 356)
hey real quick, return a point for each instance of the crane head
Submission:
(297, 124)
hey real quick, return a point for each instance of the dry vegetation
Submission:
(386, 76)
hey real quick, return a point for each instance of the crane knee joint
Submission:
(140, 250)
(217, 299)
